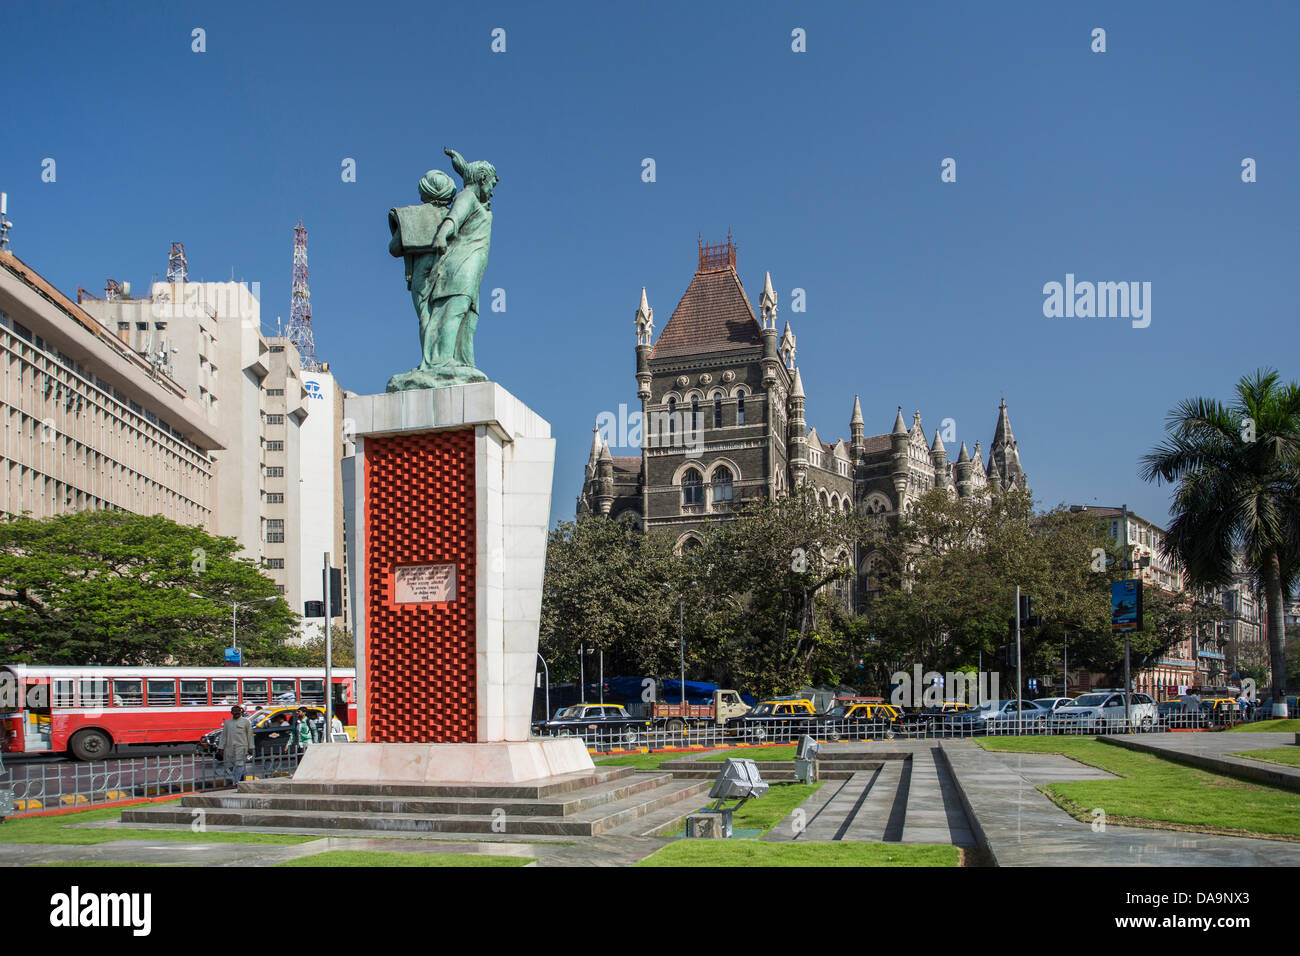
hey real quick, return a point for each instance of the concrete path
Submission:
(904, 801)
(172, 853)
(1022, 827)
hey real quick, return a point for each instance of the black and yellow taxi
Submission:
(777, 717)
(858, 717)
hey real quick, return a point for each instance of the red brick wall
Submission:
(420, 509)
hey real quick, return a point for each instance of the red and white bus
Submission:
(87, 711)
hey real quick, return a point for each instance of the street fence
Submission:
(30, 787)
(606, 739)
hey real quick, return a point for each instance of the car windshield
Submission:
(1047, 702)
(1090, 700)
(839, 710)
(762, 709)
(569, 713)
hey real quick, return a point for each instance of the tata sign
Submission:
(313, 389)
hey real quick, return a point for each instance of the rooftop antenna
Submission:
(177, 268)
(5, 224)
(300, 334)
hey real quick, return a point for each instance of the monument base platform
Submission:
(501, 762)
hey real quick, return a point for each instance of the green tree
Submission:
(1237, 470)
(110, 587)
(611, 588)
(766, 583)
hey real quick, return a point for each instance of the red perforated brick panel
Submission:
(420, 657)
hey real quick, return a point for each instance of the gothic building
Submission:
(723, 416)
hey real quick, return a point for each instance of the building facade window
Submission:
(717, 412)
(692, 488)
(740, 409)
(275, 471)
(273, 563)
(275, 446)
(275, 419)
(672, 417)
(275, 498)
(723, 488)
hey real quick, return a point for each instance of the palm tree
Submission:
(1238, 474)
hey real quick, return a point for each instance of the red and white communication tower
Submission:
(300, 306)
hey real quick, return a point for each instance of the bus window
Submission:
(255, 692)
(128, 692)
(224, 691)
(313, 691)
(284, 690)
(94, 692)
(194, 693)
(63, 693)
(162, 693)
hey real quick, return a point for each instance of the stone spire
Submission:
(900, 426)
(939, 458)
(1004, 454)
(767, 304)
(595, 451)
(962, 470)
(645, 328)
(788, 346)
(604, 478)
(857, 440)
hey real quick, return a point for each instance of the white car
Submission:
(1103, 711)
(1053, 703)
(1005, 715)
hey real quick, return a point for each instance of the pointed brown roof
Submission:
(713, 315)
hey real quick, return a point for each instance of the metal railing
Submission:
(912, 727)
(66, 784)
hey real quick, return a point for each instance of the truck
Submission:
(661, 701)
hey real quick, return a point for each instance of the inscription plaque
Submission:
(424, 583)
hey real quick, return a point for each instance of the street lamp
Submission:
(234, 609)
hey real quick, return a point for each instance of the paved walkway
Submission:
(902, 801)
(1022, 827)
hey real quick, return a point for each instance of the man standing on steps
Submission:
(236, 743)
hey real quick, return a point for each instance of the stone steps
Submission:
(561, 784)
(622, 802)
(357, 802)
(774, 771)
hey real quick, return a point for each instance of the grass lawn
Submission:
(766, 811)
(1290, 756)
(1160, 793)
(652, 761)
(388, 858)
(53, 830)
(754, 853)
(757, 753)
(1286, 725)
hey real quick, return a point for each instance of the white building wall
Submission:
(320, 487)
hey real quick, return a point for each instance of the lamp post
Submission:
(234, 609)
(547, 672)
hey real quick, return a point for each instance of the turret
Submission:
(645, 327)
(771, 352)
(963, 473)
(857, 440)
(798, 434)
(939, 458)
(604, 479)
(898, 440)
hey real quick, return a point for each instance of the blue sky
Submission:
(825, 165)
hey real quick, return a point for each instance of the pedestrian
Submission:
(302, 730)
(336, 727)
(236, 743)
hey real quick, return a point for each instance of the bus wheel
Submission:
(90, 745)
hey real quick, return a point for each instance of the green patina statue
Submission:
(444, 242)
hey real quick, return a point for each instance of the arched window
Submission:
(672, 417)
(740, 409)
(692, 488)
(717, 411)
(722, 486)
(695, 414)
